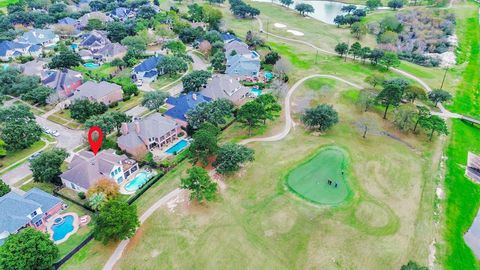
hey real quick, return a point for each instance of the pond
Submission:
(325, 11)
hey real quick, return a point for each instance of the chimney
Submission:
(194, 96)
(137, 127)
(124, 128)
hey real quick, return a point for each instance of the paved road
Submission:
(136, 111)
(13, 176)
(68, 139)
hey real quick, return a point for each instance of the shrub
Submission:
(82, 195)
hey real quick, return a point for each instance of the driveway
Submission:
(68, 139)
(13, 176)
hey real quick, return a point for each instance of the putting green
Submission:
(310, 179)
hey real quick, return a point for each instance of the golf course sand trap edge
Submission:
(322, 178)
(279, 25)
(295, 32)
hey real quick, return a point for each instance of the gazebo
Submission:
(473, 167)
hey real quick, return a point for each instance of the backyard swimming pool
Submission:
(256, 92)
(137, 182)
(62, 226)
(178, 147)
(91, 65)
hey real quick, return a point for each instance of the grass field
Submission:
(13, 157)
(310, 180)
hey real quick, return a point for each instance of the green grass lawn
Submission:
(5, 3)
(310, 180)
(104, 71)
(13, 157)
(164, 80)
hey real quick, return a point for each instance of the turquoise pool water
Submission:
(62, 229)
(179, 146)
(74, 46)
(137, 182)
(268, 76)
(257, 92)
(91, 65)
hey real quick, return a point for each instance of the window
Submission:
(33, 214)
(38, 223)
(72, 185)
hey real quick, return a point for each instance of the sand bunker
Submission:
(295, 32)
(279, 25)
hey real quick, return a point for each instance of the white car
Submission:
(55, 133)
(47, 130)
(139, 83)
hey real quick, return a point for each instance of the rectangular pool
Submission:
(178, 147)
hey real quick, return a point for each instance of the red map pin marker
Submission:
(95, 145)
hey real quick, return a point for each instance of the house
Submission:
(36, 67)
(68, 21)
(227, 87)
(86, 55)
(86, 169)
(111, 51)
(42, 37)
(241, 61)
(472, 170)
(147, 70)
(64, 82)
(122, 13)
(179, 106)
(13, 49)
(94, 41)
(141, 136)
(33, 209)
(227, 37)
(104, 92)
(83, 21)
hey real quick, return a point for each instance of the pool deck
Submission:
(76, 222)
(130, 178)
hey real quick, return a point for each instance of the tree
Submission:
(107, 121)
(171, 65)
(46, 167)
(200, 185)
(212, 16)
(375, 79)
(413, 266)
(116, 220)
(395, 4)
(205, 47)
(146, 12)
(271, 58)
(391, 95)
(231, 156)
(404, 118)
(94, 24)
(96, 201)
(82, 109)
(320, 118)
(28, 249)
(422, 114)
(196, 79)
(366, 99)
(439, 95)
(19, 112)
(286, 3)
(204, 143)
(195, 12)
(390, 59)
(218, 61)
(251, 114)
(340, 20)
(376, 55)
(355, 49)
(435, 124)
(188, 34)
(97, 5)
(116, 31)
(3, 149)
(38, 95)
(215, 112)
(270, 106)
(349, 8)
(20, 134)
(412, 92)
(175, 46)
(4, 188)
(358, 30)
(135, 44)
(105, 186)
(373, 4)
(65, 59)
(154, 100)
(341, 49)
(303, 8)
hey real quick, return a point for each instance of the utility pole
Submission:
(444, 76)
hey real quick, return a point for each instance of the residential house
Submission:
(32, 209)
(42, 37)
(37, 67)
(86, 169)
(94, 41)
(13, 49)
(227, 87)
(122, 13)
(147, 70)
(141, 136)
(67, 27)
(104, 92)
(111, 51)
(64, 82)
(83, 21)
(241, 61)
(68, 21)
(86, 55)
(472, 170)
(179, 106)
(227, 37)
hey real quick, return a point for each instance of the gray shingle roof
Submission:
(154, 126)
(38, 36)
(224, 86)
(112, 49)
(237, 46)
(91, 89)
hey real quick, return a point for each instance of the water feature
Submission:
(137, 182)
(91, 65)
(178, 147)
(325, 11)
(62, 227)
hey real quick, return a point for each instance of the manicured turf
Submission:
(310, 179)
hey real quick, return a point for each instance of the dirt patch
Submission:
(135, 239)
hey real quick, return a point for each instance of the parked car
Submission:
(35, 155)
(139, 83)
(47, 130)
(55, 133)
